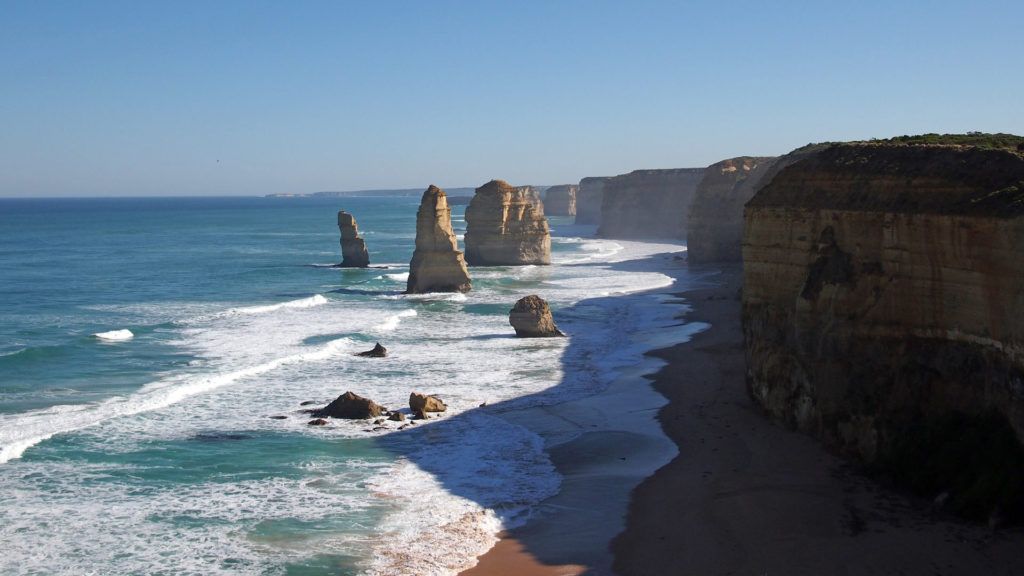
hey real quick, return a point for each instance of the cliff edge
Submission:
(883, 310)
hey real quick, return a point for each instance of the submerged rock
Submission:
(318, 422)
(378, 351)
(531, 318)
(353, 248)
(350, 406)
(437, 264)
(505, 226)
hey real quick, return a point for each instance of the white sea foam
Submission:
(115, 335)
(402, 277)
(317, 300)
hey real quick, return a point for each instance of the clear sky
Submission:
(248, 97)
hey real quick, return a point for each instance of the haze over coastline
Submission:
(236, 99)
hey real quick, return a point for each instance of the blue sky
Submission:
(223, 98)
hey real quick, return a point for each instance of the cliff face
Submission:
(437, 264)
(589, 198)
(353, 248)
(532, 195)
(505, 228)
(561, 200)
(714, 224)
(648, 203)
(883, 289)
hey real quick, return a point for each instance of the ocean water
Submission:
(147, 345)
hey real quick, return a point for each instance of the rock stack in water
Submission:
(353, 248)
(437, 264)
(561, 200)
(504, 227)
(531, 318)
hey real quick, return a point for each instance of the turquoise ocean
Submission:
(146, 345)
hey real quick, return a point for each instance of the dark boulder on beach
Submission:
(531, 318)
(397, 417)
(377, 352)
(350, 406)
(318, 422)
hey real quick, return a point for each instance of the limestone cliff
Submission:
(589, 198)
(884, 292)
(714, 224)
(437, 264)
(648, 203)
(504, 227)
(353, 248)
(561, 200)
(532, 195)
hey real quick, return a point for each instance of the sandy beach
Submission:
(741, 495)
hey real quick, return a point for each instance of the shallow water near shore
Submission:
(157, 452)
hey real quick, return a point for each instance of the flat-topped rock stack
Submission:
(560, 200)
(437, 264)
(504, 227)
(588, 199)
(353, 248)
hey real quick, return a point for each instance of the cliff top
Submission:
(496, 185)
(976, 174)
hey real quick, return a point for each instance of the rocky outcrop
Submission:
(561, 200)
(437, 264)
(648, 203)
(422, 403)
(353, 248)
(350, 406)
(883, 299)
(532, 195)
(588, 199)
(531, 318)
(377, 351)
(714, 224)
(504, 227)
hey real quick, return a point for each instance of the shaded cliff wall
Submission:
(714, 223)
(883, 288)
(589, 198)
(648, 203)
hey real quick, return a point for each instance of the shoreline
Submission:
(741, 495)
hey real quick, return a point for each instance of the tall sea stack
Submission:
(437, 264)
(353, 248)
(883, 309)
(504, 228)
(560, 200)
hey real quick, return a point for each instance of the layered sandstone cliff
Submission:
(561, 200)
(505, 228)
(353, 248)
(589, 198)
(532, 195)
(714, 223)
(883, 296)
(437, 264)
(648, 203)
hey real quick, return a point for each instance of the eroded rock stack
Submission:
(437, 264)
(714, 224)
(531, 317)
(504, 228)
(353, 248)
(532, 195)
(561, 200)
(648, 203)
(589, 198)
(882, 297)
